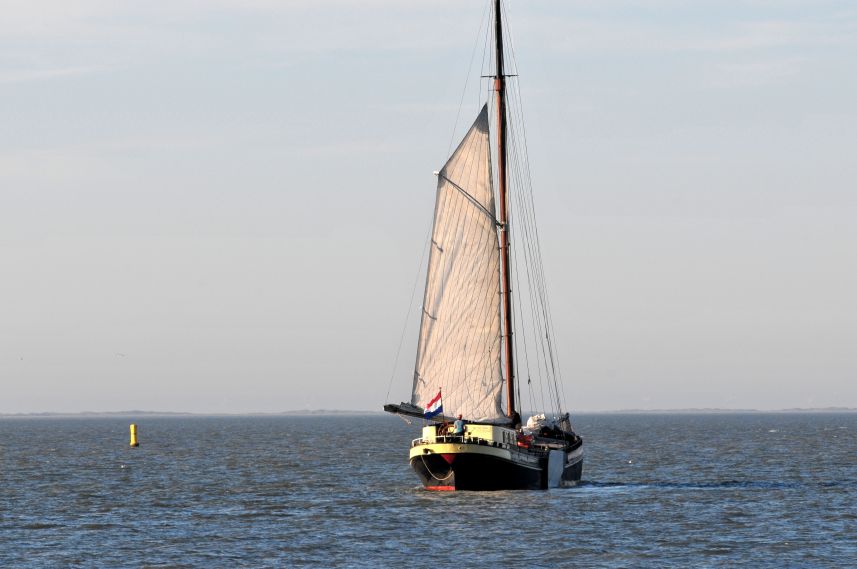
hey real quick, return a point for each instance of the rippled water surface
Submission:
(658, 490)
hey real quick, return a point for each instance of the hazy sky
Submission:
(220, 206)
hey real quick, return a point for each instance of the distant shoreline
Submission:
(108, 414)
(340, 412)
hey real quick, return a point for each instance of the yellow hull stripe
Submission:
(459, 448)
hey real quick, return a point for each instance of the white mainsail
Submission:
(459, 342)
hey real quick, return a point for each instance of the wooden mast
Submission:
(505, 288)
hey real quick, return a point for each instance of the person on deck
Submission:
(458, 427)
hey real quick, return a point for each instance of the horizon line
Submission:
(322, 412)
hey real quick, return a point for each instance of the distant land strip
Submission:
(353, 412)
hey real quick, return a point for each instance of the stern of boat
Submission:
(487, 457)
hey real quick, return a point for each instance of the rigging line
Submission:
(550, 330)
(485, 51)
(549, 338)
(538, 277)
(530, 389)
(410, 306)
(507, 40)
(536, 323)
(515, 301)
(527, 202)
(488, 51)
(466, 80)
(513, 263)
(524, 336)
(520, 211)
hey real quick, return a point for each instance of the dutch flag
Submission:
(435, 406)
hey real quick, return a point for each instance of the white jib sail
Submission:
(459, 342)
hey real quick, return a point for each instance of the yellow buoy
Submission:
(134, 442)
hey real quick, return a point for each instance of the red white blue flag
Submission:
(435, 406)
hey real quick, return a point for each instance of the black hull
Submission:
(474, 471)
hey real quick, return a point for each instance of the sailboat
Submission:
(465, 383)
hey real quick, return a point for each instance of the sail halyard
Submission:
(459, 347)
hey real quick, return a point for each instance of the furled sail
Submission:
(459, 342)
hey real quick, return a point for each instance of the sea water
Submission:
(718, 490)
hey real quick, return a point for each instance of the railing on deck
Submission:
(536, 449)
(456, 439)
